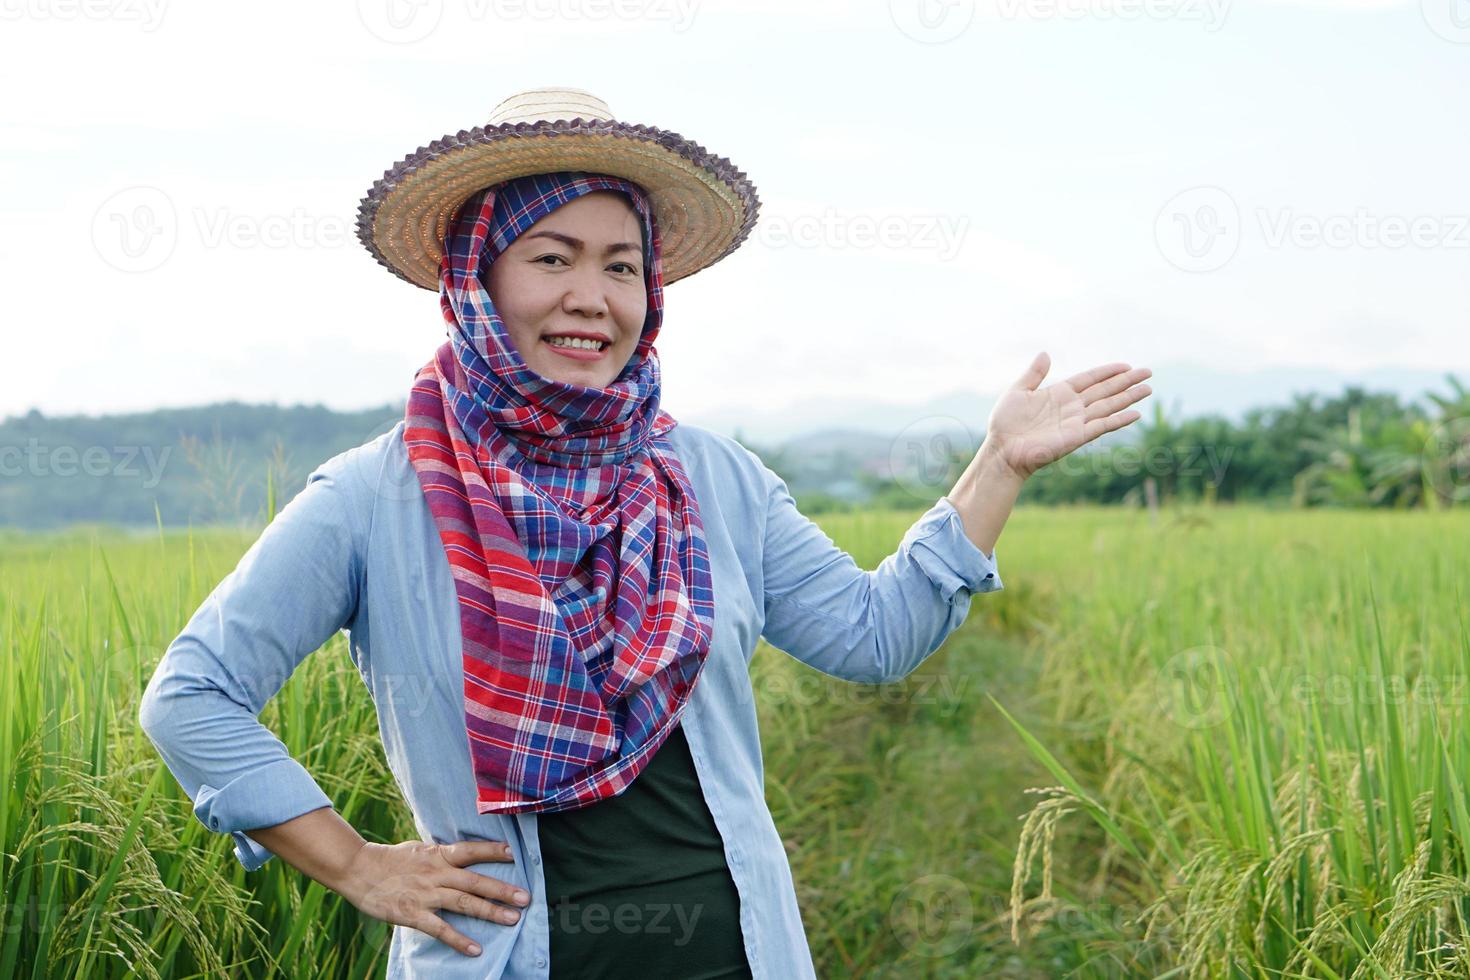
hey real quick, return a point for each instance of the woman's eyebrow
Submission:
(576, 243)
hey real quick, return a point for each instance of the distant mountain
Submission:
(213, 463)
(1183, 390)
(210, 464)
(955, 411)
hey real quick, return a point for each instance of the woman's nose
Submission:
(585, 295)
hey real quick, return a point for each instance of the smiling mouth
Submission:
(580, 337)
(579, 353)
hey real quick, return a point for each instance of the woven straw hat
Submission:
(704, 207)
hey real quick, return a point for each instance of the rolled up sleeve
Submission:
(867, 626)
(292, 591)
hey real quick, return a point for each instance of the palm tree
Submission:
(1445, 449)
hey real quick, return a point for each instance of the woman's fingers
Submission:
(466, 903)
(431, 924)
(406, 881)
(1091, 430)
(1114, 384)
(1090, 377)
(1107, 406)
(463, 852)
(1035, 372)
(487, 887)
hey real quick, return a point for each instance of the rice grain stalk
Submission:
(137, 888)
(1417, 895)
(1038, 832)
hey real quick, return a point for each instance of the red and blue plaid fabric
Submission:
(571, 529)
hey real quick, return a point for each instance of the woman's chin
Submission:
(590, 376)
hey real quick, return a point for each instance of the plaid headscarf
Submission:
(571, 529)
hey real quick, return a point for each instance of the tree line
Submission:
(236, 463)
(1355, 449)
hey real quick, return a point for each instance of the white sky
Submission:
(1037, 160)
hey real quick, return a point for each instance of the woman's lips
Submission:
(577, 353)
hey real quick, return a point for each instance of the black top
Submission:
(637, 885)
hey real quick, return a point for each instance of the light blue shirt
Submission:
(357, 549)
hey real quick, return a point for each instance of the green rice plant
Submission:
(1245, 730)
(1266, 715)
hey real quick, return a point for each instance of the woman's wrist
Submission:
(991, 465)
(320, 844)
(984, 495)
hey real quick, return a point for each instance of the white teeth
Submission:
(577, 342)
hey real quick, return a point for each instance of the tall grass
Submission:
(106, 870)
(1260, 722)
(1158, 752)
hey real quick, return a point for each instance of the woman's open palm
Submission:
(1031, 426)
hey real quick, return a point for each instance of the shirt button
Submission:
(540, 962)
(535, 859)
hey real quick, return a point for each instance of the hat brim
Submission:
(704, 207)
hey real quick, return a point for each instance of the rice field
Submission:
(1227, 743)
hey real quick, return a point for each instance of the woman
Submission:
(553, 590)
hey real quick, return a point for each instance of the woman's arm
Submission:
(289, 594)
(296, 587)
(865, 626)
(319, 844)
(878, 626)
(984, 495)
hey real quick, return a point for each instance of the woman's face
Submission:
(577, 272)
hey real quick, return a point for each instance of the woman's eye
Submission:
(625, 266)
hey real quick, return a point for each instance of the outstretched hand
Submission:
(1031, 426)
